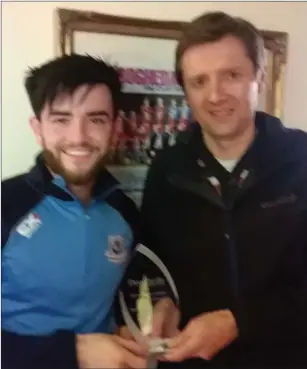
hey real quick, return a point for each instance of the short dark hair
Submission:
(65, 74)
(213, 26)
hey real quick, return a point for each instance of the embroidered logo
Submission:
(116, 251)
(29, 225)
(282, 200)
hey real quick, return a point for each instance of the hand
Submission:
(204, 336)
(108, 351)
(165, 321)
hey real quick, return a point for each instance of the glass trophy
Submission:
(149, 302)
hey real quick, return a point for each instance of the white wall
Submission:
(27, 40)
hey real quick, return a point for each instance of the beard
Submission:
(56, 166)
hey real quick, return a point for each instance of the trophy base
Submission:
(158, 346)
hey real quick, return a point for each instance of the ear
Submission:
(113, 127)
(187, 99)
(37, 129)
(262, 81)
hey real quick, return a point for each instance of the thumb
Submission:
(158, 321)
(163, 311)
(171, 328)
(124, 332)
(133, 361)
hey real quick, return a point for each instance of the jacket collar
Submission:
(273, 147)
(40, 178)
(267, 150)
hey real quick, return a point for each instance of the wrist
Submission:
(229, 321)
(82, 338)
(84, 343)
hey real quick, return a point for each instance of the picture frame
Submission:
(148, 78)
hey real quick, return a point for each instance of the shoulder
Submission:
(109, 188)
(17, 199)
(12, 184)
(126, 207)
(297, 144)
(299, 137)
(13, 190)
(17, 190)
(176, 156)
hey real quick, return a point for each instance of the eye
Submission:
(60, 120)
(98, 121)
(197, 82)
(233, 75)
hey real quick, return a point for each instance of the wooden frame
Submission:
(70, 21)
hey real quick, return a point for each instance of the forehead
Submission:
(85, 98)
(227, 52)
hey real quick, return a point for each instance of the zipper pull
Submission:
(216, 184)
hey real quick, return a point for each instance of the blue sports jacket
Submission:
(62, 264)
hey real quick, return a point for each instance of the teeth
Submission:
(77, 153)
(222, 112)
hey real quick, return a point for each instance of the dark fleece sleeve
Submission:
(38, 352)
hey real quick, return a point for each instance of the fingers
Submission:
(159, 317)
(134, 361)
(124, 332)
(171, 329)
(183, 346)
(132, 346)
(182, 352)
(180, 339)
(158, 323)
(165, 319)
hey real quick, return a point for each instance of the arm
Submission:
(259, 318)
(279, 319)
(149, 209)
(28, 351)
(55, 351)
(264, 318)
(65, 350)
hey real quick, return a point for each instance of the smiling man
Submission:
(76, 151)
(67, 229)
(226, 210)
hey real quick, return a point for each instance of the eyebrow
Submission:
(59, 112)
(93, 113)
(98, 112)
(223, 70)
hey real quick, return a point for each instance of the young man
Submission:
(226, 210)
(67, 229)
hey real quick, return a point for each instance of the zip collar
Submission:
(273, 147)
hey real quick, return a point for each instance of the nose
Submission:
(77, 132)
(215, 91)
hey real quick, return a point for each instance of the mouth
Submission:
(221, 113)
(78, 153)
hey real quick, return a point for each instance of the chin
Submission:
(226, 128)
(81, 175)
(223, 133)
(82, 166)
(77, 178)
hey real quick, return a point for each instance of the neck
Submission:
(82, 192)
(230, 148)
